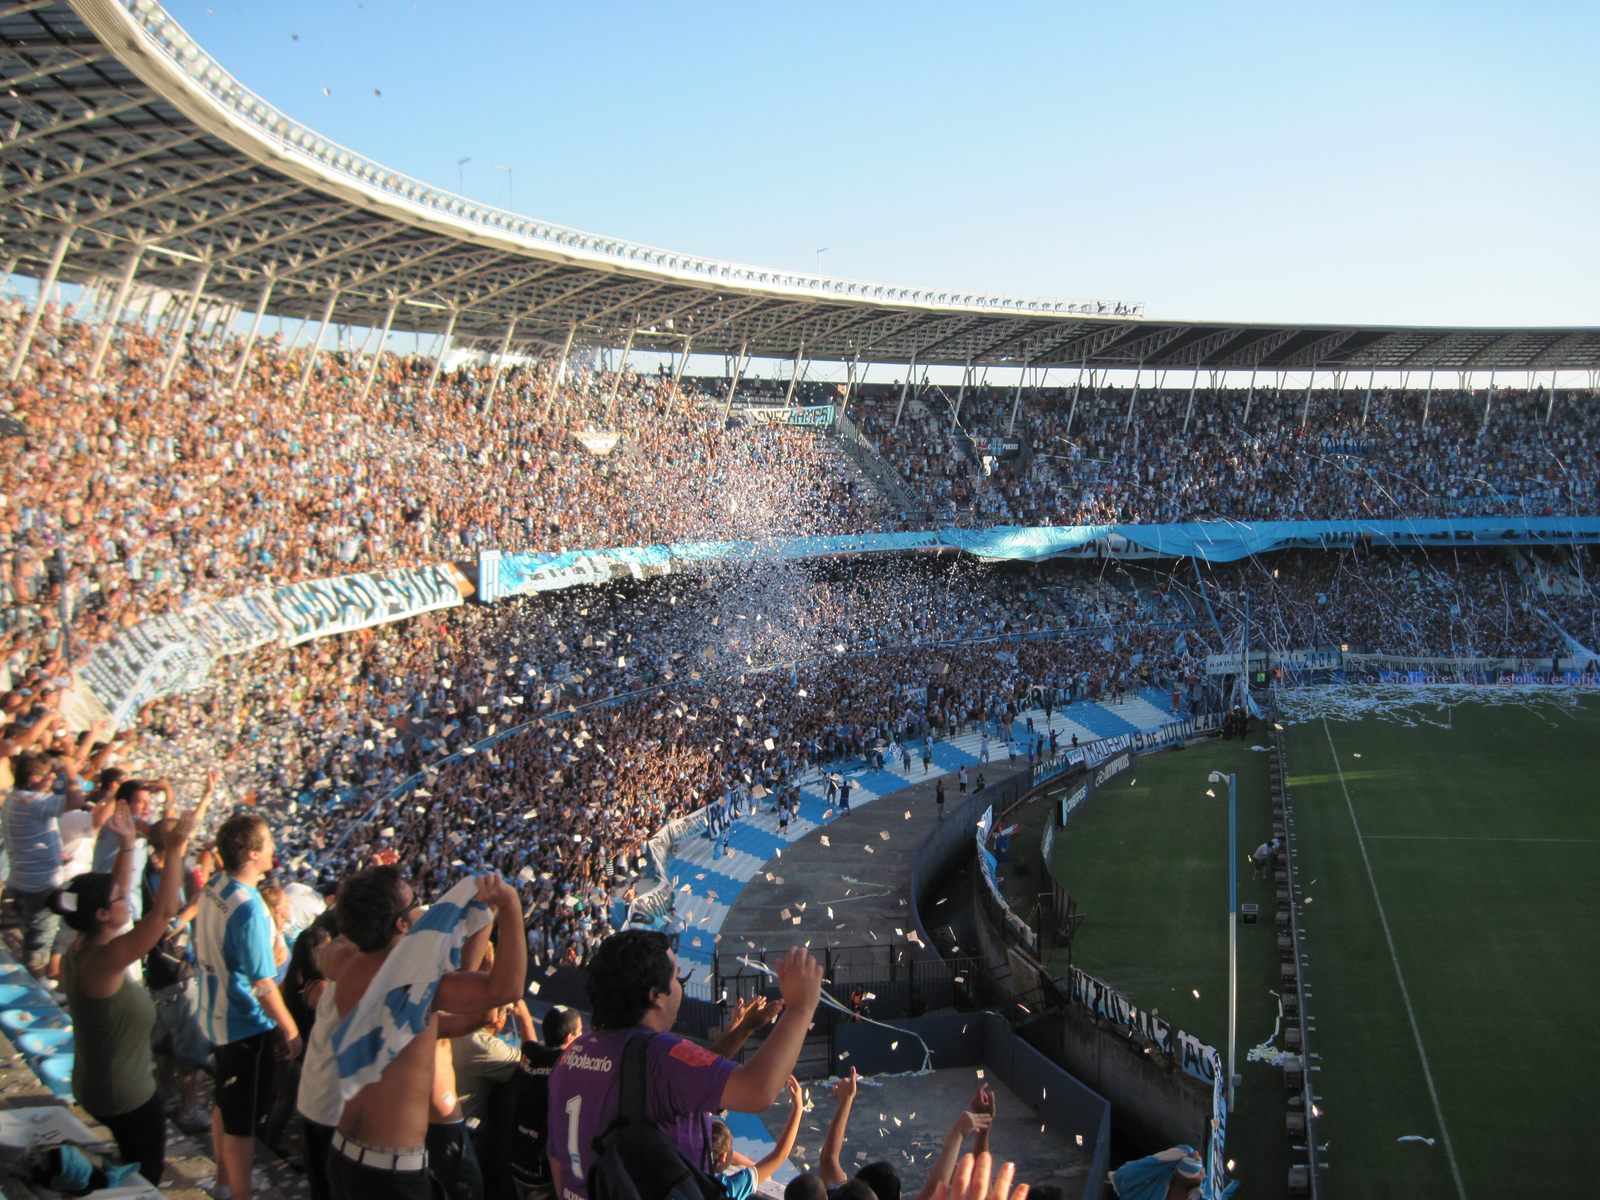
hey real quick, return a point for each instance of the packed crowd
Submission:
(620, 708)
(158, 496)
(733, 679)
(175, 957)
(136, 498)
(1266, 455)
(1419, 604)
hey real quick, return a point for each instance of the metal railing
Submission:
(883, 474)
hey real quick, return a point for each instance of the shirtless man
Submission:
(378, 1149)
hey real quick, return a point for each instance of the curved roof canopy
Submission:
(123, 135)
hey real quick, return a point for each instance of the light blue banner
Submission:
(502, 574)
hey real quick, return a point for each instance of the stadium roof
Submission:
(122, 134)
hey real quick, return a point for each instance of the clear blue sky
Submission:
(1432, 163)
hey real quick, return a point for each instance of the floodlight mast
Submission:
(1232, 781)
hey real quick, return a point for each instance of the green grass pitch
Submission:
(1450, 863)
(1449, 869)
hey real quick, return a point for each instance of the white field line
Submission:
(1451, 837)
(1405, 995)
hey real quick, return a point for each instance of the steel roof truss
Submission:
(1320, 350)
(48, 64)
(157, 146)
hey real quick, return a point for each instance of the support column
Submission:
(733, 381)
(316, 346)
(438, 359)
(1305, 407)
(561, 371)
(1549, 409)
(250, 338)
(45, 284)
(227, 314)
(1427, 399)
(1016, 401)
(616, 378)
(1133, 398)
(500, 366)
(372, 369)
(1194, 384)
(849, 385)
(1249, 398)
(906, 383)
(794, 375)
(683, 358)
(1488, 399)
(961, 394)
(110, 325)
(180, 328)
(1367, 403)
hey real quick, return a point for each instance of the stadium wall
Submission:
(1153, 1095)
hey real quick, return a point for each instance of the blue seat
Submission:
(56, 1074)
(41, 1043)
(20, 993)
(18, 1021)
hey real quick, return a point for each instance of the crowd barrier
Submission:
(1102, 761)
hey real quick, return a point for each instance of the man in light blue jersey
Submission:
(240, 1006)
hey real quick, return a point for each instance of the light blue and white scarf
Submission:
(398, 1003)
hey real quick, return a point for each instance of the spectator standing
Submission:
(379, 1145)
(139, 796)
(530, 1164)
(241, 1006)
(113, 1073)
(33, 842)
(636, 992)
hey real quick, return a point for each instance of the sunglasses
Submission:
(683, 980)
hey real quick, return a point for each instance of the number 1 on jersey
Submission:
(573, 1106)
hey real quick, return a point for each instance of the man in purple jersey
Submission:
(635, 990)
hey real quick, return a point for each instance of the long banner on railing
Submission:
(174, 652)
(509, 574)
(810, 416)
(1017, 927)
(1187, 1051)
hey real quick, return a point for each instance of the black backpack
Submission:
(636, 1161)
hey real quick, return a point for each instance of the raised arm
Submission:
(747, 1017)
(828, 1164)
(524, 1020)
(755, 1085)
(474, 991)
(791, 1130)
(966, 1122)
(983, 1106)
(103, 966)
